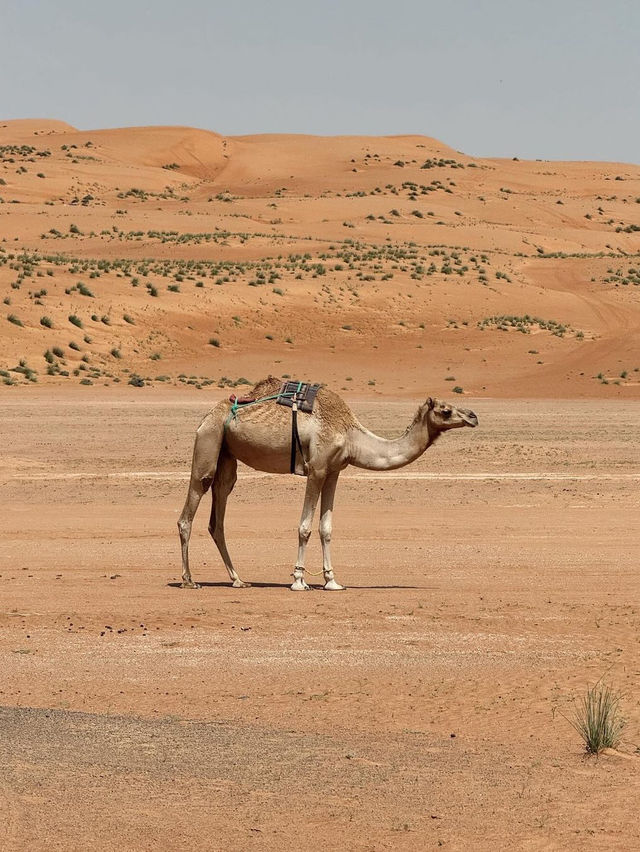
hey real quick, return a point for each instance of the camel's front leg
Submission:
(326, 523)
(314, 486)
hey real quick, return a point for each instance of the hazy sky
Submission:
(527, 78)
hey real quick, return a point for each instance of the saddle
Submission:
(302, 395)
(298, 396)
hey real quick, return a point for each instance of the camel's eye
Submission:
(446, 414)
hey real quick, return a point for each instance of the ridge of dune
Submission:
(17, 128)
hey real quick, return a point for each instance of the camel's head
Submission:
(444, 416)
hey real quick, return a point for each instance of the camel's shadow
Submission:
(227, 585)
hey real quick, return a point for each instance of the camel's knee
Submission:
(304, 531)
(325, 532)
(184, 528)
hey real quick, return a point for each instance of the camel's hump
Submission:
(330, 408)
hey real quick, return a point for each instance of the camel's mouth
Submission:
(469, 418)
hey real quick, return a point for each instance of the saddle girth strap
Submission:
(296, 444)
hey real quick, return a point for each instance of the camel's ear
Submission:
(430, 403)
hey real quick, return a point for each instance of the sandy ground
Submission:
(488, 584)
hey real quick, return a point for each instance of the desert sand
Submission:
(378, 264)
(488, 583)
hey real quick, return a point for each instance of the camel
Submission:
(331, 438)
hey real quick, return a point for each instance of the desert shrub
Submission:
(129, 319)
(15, 320)
(458, 389)
(213, 341)
(47, 322)
(116, 353)
(597, 718)
(75, 320)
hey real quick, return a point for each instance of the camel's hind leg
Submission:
(223, 486)
(206, 450)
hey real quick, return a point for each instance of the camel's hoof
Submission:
(333, 586)
(190, 585)
(300, 586)
(240, 584)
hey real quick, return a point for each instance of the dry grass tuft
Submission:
(597, 718)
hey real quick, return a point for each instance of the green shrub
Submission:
(597, 718)
(75, 320)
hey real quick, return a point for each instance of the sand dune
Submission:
(351, 259)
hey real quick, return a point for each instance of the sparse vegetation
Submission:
(523, 324)
(597, 718)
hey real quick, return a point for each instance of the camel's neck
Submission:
(374, 453)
